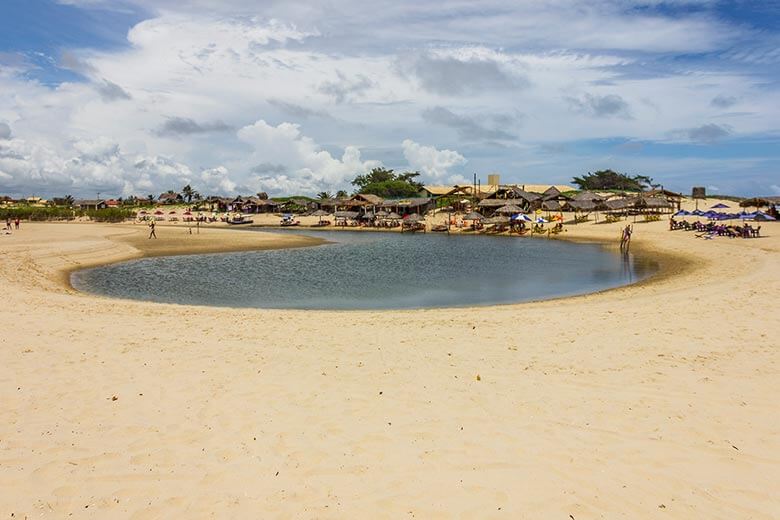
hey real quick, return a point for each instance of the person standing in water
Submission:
(152, 234)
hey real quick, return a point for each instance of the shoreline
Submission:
(668, 265)
(604, 404)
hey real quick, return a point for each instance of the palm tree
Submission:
(69, 200)
(150, 198)
(187, 192)
(262, 195)
(341, 194)
(324, 195)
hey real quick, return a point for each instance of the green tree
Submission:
(187, 192)
(150, 198)
(342, 194)
(69, 200)
(612, 180)
(324, 195)
(388, 184)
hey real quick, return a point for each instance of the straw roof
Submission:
(652, 202)
(393, 215)
(414, 217)
(474, 215)
(755, 201)
(496, 220)
(492, 203)
(346, 214)
(509, 209)
(320, 213)
(618, 204)
(551, 205)
(588, 196)
(581, 205)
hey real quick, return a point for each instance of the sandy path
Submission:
(654, 400)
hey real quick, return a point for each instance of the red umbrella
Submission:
(158, 212)
(142, 212)
(172, 212)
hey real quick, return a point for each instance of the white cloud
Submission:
(355, 77)
(433, 164)
(309, 168)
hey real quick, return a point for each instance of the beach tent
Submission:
(682, 213)
(697, 212)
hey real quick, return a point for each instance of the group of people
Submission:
(716, 229)
(9, 225)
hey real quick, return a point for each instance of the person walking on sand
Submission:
(152, 234)
(16, 223)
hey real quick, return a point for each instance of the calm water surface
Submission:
(373, 271)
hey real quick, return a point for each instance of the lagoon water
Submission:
(373, 271)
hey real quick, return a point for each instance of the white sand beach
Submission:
(657, 400)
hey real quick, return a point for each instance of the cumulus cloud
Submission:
(610, 105)
(708, 133)
(433, 164)
(468, 128)
(178, 126)
(310, 168)
(460, 74)
(217, 180)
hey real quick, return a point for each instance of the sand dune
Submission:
(656, 400)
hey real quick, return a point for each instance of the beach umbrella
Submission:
(541, 220)
(523, 217)
(682, 213)
(319, 213)
(393, 216)
(158, 212)
(382, 213)
(414, 217)
(760, 215)
(697, 212)
(747, 216)
(143, 212)
(172, 212)
(755, 201)
(474, 215)
(719, 205)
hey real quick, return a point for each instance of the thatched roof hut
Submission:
(509, 209)
(474, 215)
(551, 205)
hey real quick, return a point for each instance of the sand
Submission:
(652, 401)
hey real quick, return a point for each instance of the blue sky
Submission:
(141, 96)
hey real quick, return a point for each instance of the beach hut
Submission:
(320, 213)
(509, 209)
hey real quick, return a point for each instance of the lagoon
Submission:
(358, 270)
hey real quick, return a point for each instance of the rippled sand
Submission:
(654, 400)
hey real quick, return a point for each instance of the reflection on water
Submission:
(373, 271)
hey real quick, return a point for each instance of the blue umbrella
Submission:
(747, 216)
(697, 212)
(719, 205)
(682, 213)
(760, 215)
(523, 217)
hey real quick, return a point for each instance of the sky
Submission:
(136, 97)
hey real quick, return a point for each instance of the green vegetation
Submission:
(612, 180)
(63, 213)
(385, 183)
